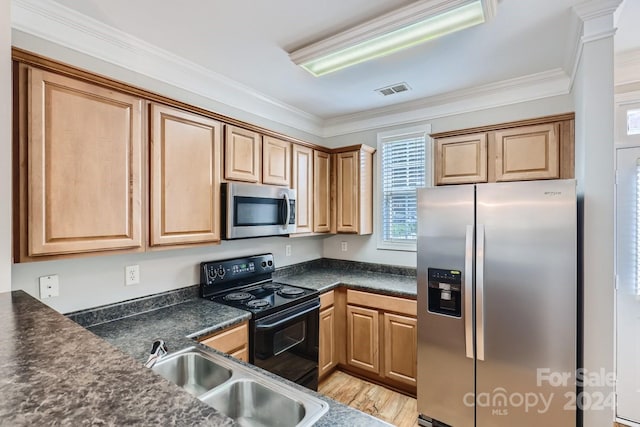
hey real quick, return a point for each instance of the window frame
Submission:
(382, 138)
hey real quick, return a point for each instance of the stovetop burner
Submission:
(272, 286)
(258, 303)
(290, 292)
(238, 297)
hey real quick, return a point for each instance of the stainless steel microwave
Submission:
(254, 210)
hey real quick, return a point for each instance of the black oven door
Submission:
(286, 343)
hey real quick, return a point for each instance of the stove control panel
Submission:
(247, 269)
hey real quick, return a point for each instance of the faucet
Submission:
(158, 349)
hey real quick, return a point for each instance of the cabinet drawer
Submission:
(229, 340)
(326, 300)
(383, 302)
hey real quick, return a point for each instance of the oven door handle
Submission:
(267, 326)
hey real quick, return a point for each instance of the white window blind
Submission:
(633, 122)
(403, 166)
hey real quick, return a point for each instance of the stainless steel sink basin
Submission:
(192, 371)
(252, 404)
(244, 394)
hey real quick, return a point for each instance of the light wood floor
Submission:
(388, 405)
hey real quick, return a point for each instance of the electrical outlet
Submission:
(343, 246)
(49, 286)
(287, 250)
(131, 275)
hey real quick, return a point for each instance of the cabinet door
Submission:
(363, 338)
(302, 182)
(400, 348)
(347, 187)
(327, 352)
(84, 167)
(276, 161)
(321, 192)
(461, 159)
(242, 154)
(185, 177)
(530, 152)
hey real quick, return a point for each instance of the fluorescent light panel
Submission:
(352, 47)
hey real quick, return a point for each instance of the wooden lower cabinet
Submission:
(233, 341)
(326, 351)
(400, 348)
(381, 334)
(363, 338)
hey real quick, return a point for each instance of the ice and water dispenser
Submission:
(445, 292)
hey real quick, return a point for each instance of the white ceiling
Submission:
(247, 41)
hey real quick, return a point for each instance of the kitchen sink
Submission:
(192, 371)
(246, 395)
(252, 404)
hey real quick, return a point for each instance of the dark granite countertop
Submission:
(325, 279)
(177, 325)
(54, 372)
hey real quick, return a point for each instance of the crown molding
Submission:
(53, 22)
(508, 92)
(593, 9)
(61, 25)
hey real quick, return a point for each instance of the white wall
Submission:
(594, 99)
(92, 281)
(364, 248)
(5, 145)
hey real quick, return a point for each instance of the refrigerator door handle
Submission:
(468, 292)
(480, 292)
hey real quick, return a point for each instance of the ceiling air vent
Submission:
(395, 88)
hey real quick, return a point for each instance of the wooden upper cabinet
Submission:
(322, 192)
(530, 152)
(461, 159)
(82, 148)
(185, 177)
(538, 148)
(354, 182)
(242, 154)
(276, 161)
(302, 182)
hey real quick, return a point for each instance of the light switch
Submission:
(49, 286)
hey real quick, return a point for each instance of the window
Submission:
(633, 122)
(402, 168)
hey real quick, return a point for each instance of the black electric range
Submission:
(283, 335)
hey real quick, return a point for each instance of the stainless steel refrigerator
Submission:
(497, 304)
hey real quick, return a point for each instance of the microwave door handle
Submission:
(288, 214)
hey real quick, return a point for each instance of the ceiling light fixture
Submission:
(408, 26)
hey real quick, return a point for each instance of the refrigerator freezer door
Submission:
(526, 303)
(445, 373)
